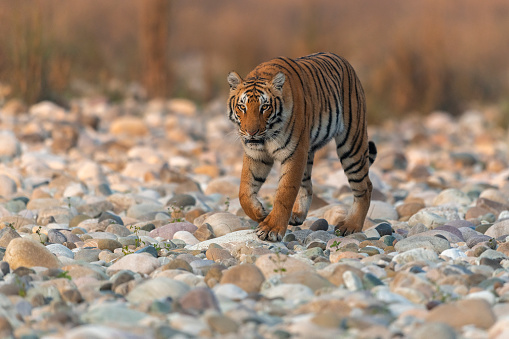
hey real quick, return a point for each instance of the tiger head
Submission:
(256, 106)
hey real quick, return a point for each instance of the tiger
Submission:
(286, 109)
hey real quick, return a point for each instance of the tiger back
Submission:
(286, 109)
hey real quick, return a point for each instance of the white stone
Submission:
(485, 295)
(157, 288)
(60, 250)
(352, 281)
(187, 237)
(138, 263)
(453, 253)
(230, 291)
(291, 292)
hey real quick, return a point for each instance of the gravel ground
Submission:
(123, 221)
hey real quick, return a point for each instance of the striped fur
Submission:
(286, 109)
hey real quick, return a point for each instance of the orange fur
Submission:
(286, 109)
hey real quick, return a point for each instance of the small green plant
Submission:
(126, 250)
(11, 225)
(279, 262)
(22, 287)
(162, 246)
(338, 233)
(64, 274)
(39, 234)
(227, 204)
(335, 245)
(176, 211)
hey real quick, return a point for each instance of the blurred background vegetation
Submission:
(411, 56)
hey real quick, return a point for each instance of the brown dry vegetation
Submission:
(410, 55)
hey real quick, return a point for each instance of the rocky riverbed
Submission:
(122, 221)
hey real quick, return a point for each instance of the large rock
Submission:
(416, 254)
(29, 253)
(247, 276)
(277, 263)
(382, 210)
(234, 239)
(452, 196)
(427, 218)
(139, 263)
(498, 229)
(476, 312)
(157, 288)
(223, 223)
(421, 241)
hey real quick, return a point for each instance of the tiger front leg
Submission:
(254, 173)
(273, 228)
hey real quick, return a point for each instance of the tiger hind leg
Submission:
(304, 197)
(356, 167)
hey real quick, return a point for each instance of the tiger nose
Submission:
(252, 132)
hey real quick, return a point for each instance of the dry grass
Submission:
(417, 55)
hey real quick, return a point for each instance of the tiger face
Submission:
(256, 106)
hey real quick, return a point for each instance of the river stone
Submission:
(457, 314)
(9, 144)
(137, 211)
(421, 241)
(60, 250)
(498, 229)
(277, 263)
(29, 253)
(199, 300)
(138, 263)
(129, 126)
(7, 235)
(452, 230)
(112, 314)
(87, 254)
(428, 219)
(459, 223)
(204, 232)
(157, 288)
(118, 230)
(382, 210)
(56, 237)
(319, 225)
(222, 324)
(181, 200)
(247, 276)
(434, 330)
(186, 236)
(416, 254)
(290, 292)
(310, 279)
(168, 231)
(452, 196)
(7, 186)
(223, 223)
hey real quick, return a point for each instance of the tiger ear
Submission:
(234, 80)
(278, 81)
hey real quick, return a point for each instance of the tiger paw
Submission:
(254, 210)
(266, 230)
(347, 227)
(297, 219)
